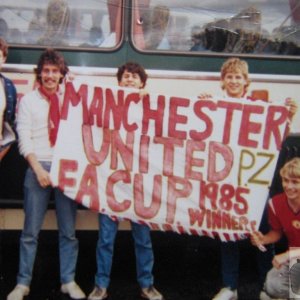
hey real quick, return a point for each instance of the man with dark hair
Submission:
(37, 126)
(130, 75)
(129, 71)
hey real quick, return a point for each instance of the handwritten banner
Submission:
(192, 166)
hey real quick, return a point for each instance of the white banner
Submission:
(192, 166)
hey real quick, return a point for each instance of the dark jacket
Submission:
(11, 100)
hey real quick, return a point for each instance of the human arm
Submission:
(285, 257)
(257, 238)
(9, 110)
(31, 117)
(2, 112)
(69, 77)
(143, 92)
(42, 175)
(280, 259)
(292, 107)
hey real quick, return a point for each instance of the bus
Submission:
(181, 44)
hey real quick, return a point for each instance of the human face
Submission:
(2, 58)
(132, 80)
(234, 84)
(50, 77)
(291, 187)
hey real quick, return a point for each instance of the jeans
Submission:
(277, 282)
(105, 247)
(36, 201)
(230, 259)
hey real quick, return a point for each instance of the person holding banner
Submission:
(8, 101)
(284, 219)
(130, 75)
(235, 82)
(37, 125)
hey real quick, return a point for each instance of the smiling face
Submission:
(132, 80)
(235, 77)
(291, 187)
(290, 176)
(234, 83)
(50, 77)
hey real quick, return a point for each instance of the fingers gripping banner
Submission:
(192, 166)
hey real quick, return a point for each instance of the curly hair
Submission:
(132, 67)
(51, 57)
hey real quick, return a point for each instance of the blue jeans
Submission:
(36, 201)
(105, 247)
(230, 259)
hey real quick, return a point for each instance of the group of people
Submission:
(235, 82)
(37, 126)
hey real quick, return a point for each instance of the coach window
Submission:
(62, 23)
(252, 27)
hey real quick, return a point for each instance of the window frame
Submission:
(136, 19)
(119, 22)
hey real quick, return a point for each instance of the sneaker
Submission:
(73, 290)
(151, 293)
(98, 293)
(226, 294)
(19, 292)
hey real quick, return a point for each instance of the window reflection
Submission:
(268, 27)
(55, 32)
(155, 23)
(61, 23)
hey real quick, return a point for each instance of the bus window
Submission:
(241, 27)
(61, 23)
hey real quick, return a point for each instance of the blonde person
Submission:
(235, 83)
(284, 219)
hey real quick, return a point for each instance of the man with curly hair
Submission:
(37, 126)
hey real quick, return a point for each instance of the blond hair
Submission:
(291, 168)
(234, 65)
